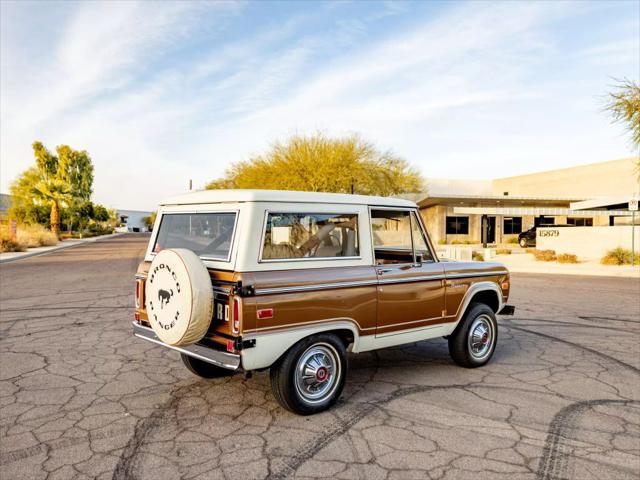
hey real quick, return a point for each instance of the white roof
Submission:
(603, 202)
(236, 196)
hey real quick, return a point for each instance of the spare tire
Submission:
(178, 297)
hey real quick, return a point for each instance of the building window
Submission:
(580, 221)
(457, 225)
(542, 221)
(512, 225)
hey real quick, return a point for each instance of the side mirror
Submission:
(419, 258)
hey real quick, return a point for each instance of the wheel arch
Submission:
(485, 292)
(270, 347)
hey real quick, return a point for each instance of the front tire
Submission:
(474, 341)
(309, 378)
(204, 369)
(523, 242)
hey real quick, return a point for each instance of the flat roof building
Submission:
(495, 211)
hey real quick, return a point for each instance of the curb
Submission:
(58, 248)
(612, 274)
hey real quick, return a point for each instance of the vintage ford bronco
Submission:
(244, 280)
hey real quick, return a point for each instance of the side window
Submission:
(395, 235)
(391, 232)
(310, 235)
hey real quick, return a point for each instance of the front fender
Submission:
(468, 296)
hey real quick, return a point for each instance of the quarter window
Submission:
(419, 242)
(457, 225)
(310, 235)
(512, 225)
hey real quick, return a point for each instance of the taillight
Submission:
(235, 316)
(139, 293)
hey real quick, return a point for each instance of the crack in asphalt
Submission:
(79, 398)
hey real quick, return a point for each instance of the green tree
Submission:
(624, 105)
(100, 213)
(76, 168)
(51, 187)
(320, 164)
(25, 206)
(150, 220)
(55, 181)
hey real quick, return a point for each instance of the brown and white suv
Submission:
(244, 280)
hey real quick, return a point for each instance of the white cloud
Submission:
(470, 92)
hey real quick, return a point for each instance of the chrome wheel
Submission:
(481, 337)
(317, 372)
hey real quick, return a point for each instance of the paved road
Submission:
(80, 398)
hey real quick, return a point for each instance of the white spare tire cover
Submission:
(178, 297)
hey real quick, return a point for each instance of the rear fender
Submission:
(271, 346)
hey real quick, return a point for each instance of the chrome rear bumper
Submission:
(230, 361)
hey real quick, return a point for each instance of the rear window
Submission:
(310, 235)
(209, 235)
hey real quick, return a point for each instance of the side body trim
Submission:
(271, 345)
(374, 342)
(329, 286)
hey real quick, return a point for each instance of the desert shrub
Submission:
(442, 241)
(477, 256)
(567, 258)
(532, 250)
(619, 256)
(503, 251)
(9, 245)
(545, 256)
(35, 236)
(512, 240)
(100, 229)
(463, 242)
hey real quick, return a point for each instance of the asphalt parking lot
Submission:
(81, 398)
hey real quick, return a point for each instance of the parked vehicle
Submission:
(247, 280)
(528, 237)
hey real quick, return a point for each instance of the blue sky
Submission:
(159, 93)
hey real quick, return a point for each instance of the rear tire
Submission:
(310, 376)
(474, 341)
(204, 369)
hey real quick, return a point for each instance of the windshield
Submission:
(209, 235)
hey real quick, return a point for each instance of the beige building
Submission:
(493, 211)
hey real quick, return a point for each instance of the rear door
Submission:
(410, 281)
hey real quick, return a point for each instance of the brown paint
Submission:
(374, 308)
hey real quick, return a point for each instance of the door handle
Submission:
(382, 271)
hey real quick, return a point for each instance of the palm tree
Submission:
(55, 192)
(52, 187)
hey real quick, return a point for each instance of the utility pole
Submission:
(633, 237)
(190, 184)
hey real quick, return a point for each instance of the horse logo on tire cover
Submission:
(169, 280)
(164, 297)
